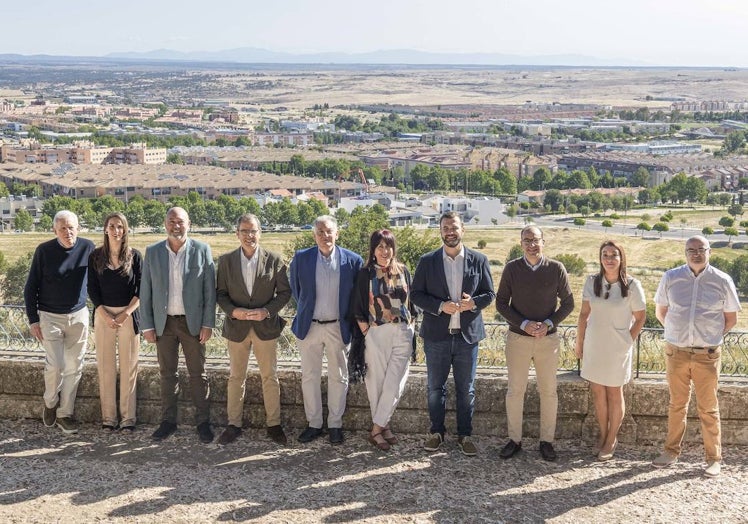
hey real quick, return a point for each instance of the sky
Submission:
(653, 32)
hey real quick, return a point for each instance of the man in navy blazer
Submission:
(178, 306)
(322, 279)
(452, 285)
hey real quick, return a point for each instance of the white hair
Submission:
(65, 214)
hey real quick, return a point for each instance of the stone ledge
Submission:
(21, 388)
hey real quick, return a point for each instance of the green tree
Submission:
(44, 224)
(363, 221)
(643, 226)
(606, 224)
(661, 227)
(579, 222)
(514, 252)
(507, 181)
(4, 190)
(735, 209)
(135, 213)
(15, 279)
(726, 221)
(511, 211)
(706, 231)
(640, 178)
(734, 141)
(731, 232)
(23, 220)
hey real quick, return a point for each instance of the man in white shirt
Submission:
(697, 304)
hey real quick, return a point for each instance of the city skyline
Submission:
(666, 33)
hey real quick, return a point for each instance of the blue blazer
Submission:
(198, 287)
(304, 289)
(430, 289)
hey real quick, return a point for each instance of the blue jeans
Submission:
(456, 354)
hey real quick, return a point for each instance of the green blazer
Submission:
(198, 287)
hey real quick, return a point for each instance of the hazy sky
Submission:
(656, 32)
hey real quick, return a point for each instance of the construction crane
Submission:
(360, 173)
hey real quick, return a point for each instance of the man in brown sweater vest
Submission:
(534, 297)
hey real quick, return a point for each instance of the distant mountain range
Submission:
(252, 55)
(392, 56)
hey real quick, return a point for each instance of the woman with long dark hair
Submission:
(612, 316)
(114, 271)
(382, 308)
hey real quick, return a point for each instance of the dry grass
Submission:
(647, 258)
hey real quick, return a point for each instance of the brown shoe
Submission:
(229, 434)
(277, 435)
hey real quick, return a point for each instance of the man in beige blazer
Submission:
(252, 289)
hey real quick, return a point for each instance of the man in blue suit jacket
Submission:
(322, 279)
(178, 306)
(452, 285)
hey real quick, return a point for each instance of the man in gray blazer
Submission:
(252, 288)
(178, 306)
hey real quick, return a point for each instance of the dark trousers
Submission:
(167, 349)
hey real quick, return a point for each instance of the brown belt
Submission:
(697, 350)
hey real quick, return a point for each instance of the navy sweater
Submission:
(57, 278)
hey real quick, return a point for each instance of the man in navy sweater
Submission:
(55, 297)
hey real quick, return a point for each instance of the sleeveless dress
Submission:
(608, 347)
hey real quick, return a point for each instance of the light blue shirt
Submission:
(327, 279)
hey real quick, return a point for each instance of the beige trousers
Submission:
(543, 352)
(110, 343)
(703, 370)
(266, 354)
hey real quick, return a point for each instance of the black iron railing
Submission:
(648, 358)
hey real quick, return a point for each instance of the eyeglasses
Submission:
(699, 251)
(607, 290)
(532, 241)
(248, 232)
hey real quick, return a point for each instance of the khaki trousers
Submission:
(543, 352)
(703, 369)
(266, 354)
(111, 343)
(65, 342)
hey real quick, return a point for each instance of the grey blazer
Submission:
(198, 287)
(269, 290)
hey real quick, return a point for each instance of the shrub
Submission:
(482, 244)
(515, 252)
(573, 263)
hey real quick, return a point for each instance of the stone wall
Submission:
(21, 388)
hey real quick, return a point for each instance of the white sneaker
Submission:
(713, 469)
(664, 460)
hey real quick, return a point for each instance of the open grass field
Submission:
(647, 258)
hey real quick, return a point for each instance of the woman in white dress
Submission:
(612, 315)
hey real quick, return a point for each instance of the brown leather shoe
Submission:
(229, 434)
(277, 435)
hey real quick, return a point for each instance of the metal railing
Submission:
(15, 339)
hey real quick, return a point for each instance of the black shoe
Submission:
(49, 416)
(511, 449)
(229, 434)
(206, 435)
(127, 428)
(109, 427)
(277, 435)
(309, 434)
(336, 435)
(164, 430)
(547, 451)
